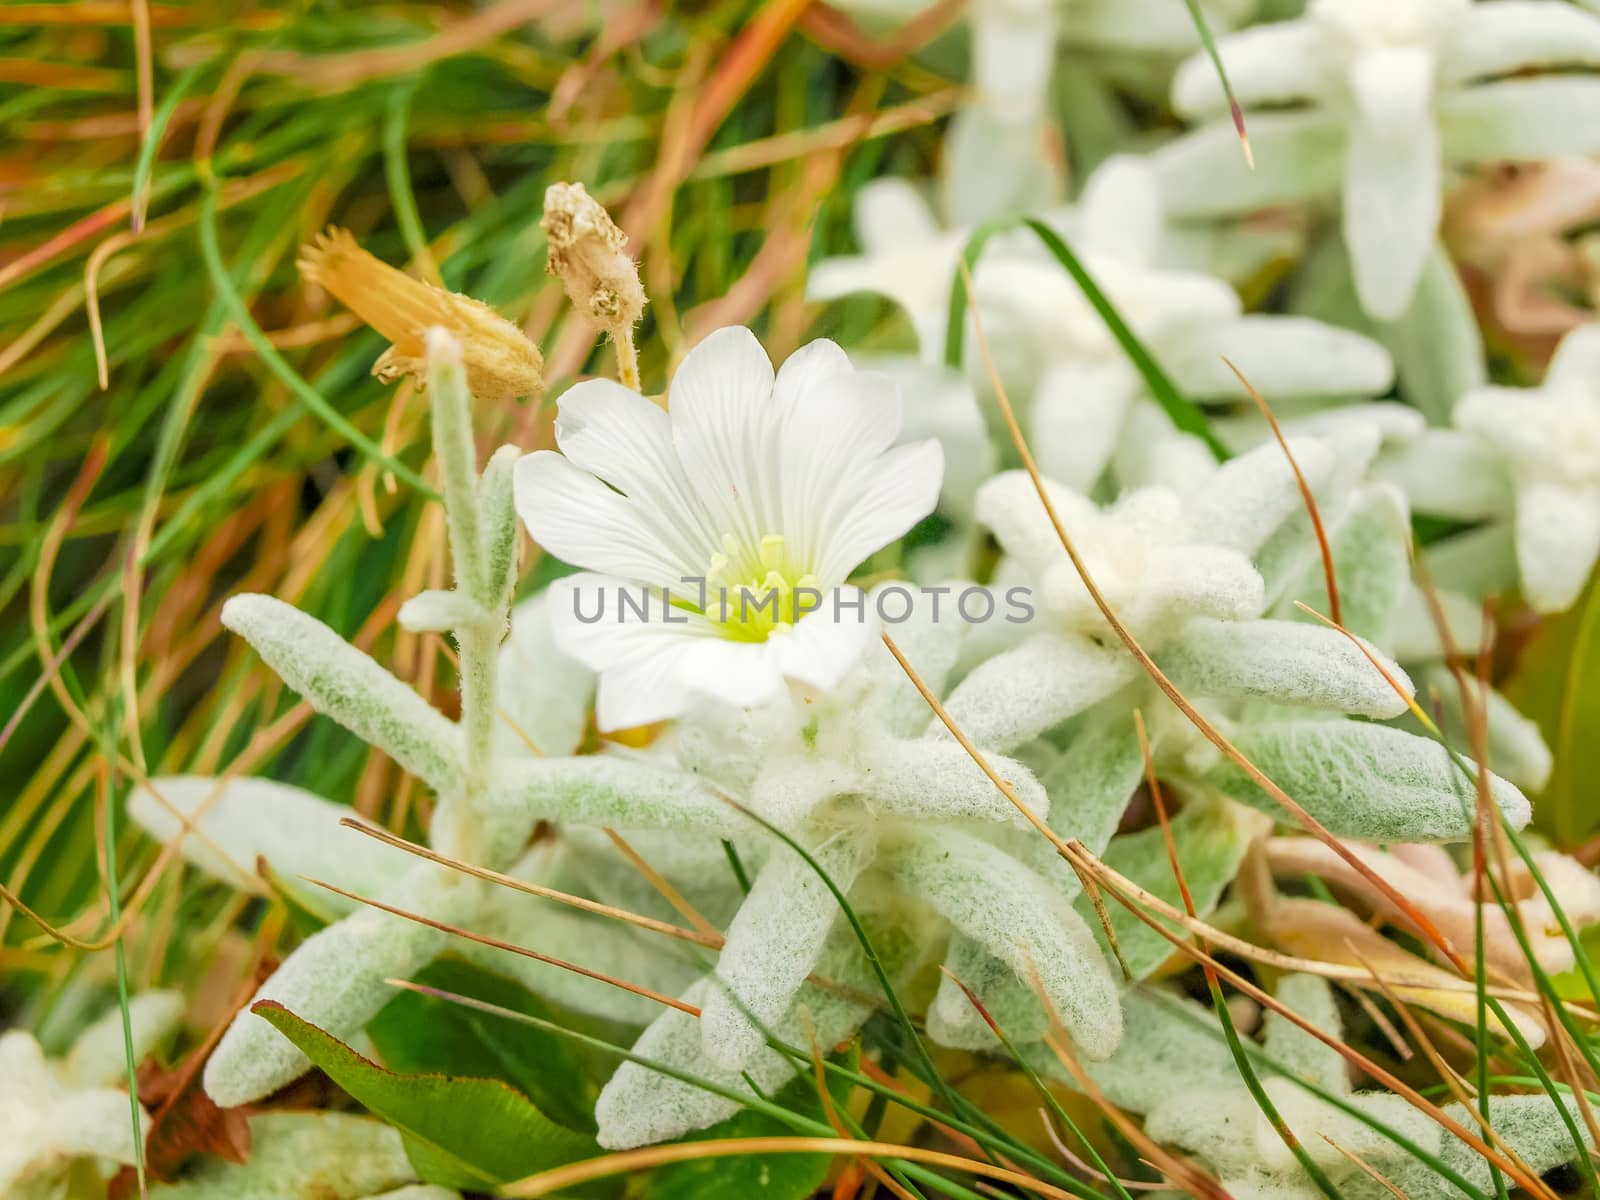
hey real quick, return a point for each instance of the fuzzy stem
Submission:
(627, 357)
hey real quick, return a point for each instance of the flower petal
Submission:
(1392, 177)
(581, 521)
(825, 644)
(727, 433)
(883, 500)
(626, 441)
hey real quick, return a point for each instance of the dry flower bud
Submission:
(501, 363)
(589, 254)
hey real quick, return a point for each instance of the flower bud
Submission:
(501, 363)
(589, 255)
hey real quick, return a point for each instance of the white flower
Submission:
(1394, 90)
(736, 517)
(1548, 439)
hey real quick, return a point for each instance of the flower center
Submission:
(756, 591)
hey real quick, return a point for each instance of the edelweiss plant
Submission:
(886, 724)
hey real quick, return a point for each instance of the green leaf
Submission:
(1211, 840)
(1557, 684)
(418, 1034)
(770, 1176)
(458, 1132)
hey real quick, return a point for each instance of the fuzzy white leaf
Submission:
(1295, 1050)
(612, 790)
(335, 980)
(1091, 784)
(437, 611)
(1364, 781)
(1005, 995)
(99, 1057)
(1286, 662)
(1020, 693)
(350, 687)
(240, 820)
(939, 781)
(772, 944)
(295, 1155)
(1018, 917)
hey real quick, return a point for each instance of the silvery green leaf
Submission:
(438, 611)
(1437, 348)
(296, 1155)
(1092, 782)
(773, 943)
(544, 695)
(457, 455)
(791, 787)
(1211, 840)
(606, 946)
(613, 789)
(639, 1106)
(1249, 497)
(1372, 567)
(1020, 693)
(591, 864)
(1530, 1125)
(497, 516)
(240, 820)
(1284, 662)
(335, 980)
(1363, 781)
(419, 1191)
(1020, 918)
(930, 646)
(1167, 1045)
(1296, 1051)
(1416, 632)
(1292, 548)
(1448, 473)
(940, 781)
(1010, 1002)
(350, 687)
(1516, 747)
(1478, 562)
(99, 1058)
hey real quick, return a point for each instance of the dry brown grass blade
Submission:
(1211, 733)
(830, 1112)
(712, 940)
(1329, 575)
(663, 886)
(509, 947)
(644, 1159)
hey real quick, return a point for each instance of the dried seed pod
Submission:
(501, 363)
(588, 253)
